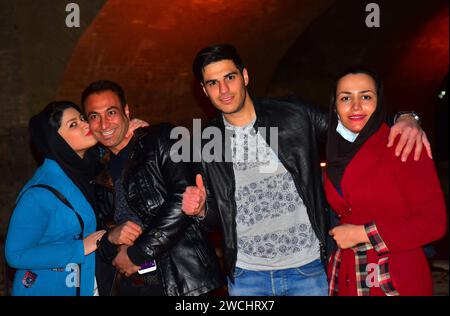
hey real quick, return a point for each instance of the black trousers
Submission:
(147, 284)
(111, 283)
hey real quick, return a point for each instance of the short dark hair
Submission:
(214, 54)
(102, 86)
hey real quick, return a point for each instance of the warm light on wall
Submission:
(323, 164)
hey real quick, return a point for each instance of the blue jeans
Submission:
(307, 280)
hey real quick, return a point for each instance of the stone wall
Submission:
(34, 50)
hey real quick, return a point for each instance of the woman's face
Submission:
(356, 100)
(75, 131)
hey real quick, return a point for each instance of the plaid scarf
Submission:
(363, 284)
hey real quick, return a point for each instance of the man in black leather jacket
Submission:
(148, 188)
(274, 224)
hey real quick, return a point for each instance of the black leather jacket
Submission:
(154, 185)
(300, 127)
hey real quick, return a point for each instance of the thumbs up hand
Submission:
(194, 198)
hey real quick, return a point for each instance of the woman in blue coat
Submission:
(43, 241)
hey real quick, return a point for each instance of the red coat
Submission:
(405, 201)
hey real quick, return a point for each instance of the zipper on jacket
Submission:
(231, 196)
(323, 253)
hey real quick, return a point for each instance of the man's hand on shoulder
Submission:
(411, 134)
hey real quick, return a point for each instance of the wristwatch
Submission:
(413, 114)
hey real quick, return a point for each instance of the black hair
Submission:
(354, 70)
(214, 54)
(55, 112)
(102, 86)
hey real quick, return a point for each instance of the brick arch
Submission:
(148, 48)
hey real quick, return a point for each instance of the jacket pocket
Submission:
(198, 244)
(142, 196)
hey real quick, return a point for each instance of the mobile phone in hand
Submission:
(147, 266)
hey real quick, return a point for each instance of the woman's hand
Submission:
(348, 235)
(90, 242)
(134, 125)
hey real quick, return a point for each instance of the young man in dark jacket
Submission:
(265, 191)
(148, 188)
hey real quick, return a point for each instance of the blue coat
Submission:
(41, 234)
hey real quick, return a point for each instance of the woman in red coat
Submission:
(388, 209)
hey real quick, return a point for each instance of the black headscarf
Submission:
(43, 129)
(340, 151)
